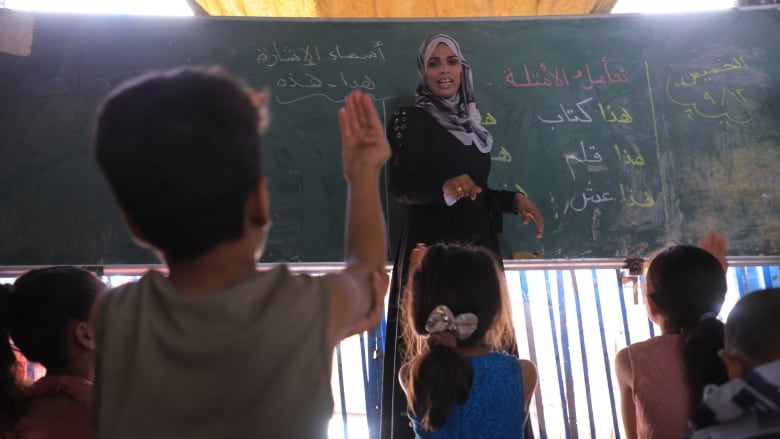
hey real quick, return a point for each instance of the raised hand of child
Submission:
(715, 243)
(364, 145)
(260, 99)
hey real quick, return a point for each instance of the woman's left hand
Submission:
(528, 211)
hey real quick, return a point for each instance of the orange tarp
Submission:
(402, 8)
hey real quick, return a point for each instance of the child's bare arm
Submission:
(371, 319)
(624, 375)
(530, 381)
(357, 294)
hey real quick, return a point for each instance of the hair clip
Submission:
(442, 319)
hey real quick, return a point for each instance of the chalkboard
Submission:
(628, 131)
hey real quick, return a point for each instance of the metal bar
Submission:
(364, 359)
(755, 278)
(622, 298)
(742, 282)
(605, 350)
(330, 267)
(341, 391)
(767, 271)
(529, 331)
(583, 349)
(564, 407)
(373, 391)
(570, 400)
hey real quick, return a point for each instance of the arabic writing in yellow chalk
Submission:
(503, 156)
(631, 200)
(692, 78)
(736, 93)
(731, 104)
(625, 156)
(625, 116)
(489, 120)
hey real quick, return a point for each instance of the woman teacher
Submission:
(439, 167)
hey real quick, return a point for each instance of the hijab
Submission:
(458, 114)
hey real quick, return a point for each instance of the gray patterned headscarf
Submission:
(458, 114)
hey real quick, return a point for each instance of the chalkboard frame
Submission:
(56, 209)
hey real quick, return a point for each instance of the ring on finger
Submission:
(459, 189)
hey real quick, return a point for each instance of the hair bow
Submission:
(442, 319)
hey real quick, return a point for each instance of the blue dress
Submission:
(494, 408)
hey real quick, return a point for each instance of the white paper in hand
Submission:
(449, 199)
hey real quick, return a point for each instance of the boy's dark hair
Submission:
(466, 279)
(35, 313)
(181, 151)
(689, 286)
(753, 326)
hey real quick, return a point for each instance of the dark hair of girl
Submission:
(467, 280)
(35, 313)
(688, 285)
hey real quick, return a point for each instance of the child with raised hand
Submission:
(661, 379)
(46, 313)
(218, 349)
(748, 406)
(458, 381)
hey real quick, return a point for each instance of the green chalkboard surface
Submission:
(628, 131)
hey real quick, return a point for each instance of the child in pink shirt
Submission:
(661, 379)
(47, 315)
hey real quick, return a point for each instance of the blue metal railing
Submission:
(592, 308)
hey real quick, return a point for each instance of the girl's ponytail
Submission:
(700, 354)
(438, 380)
